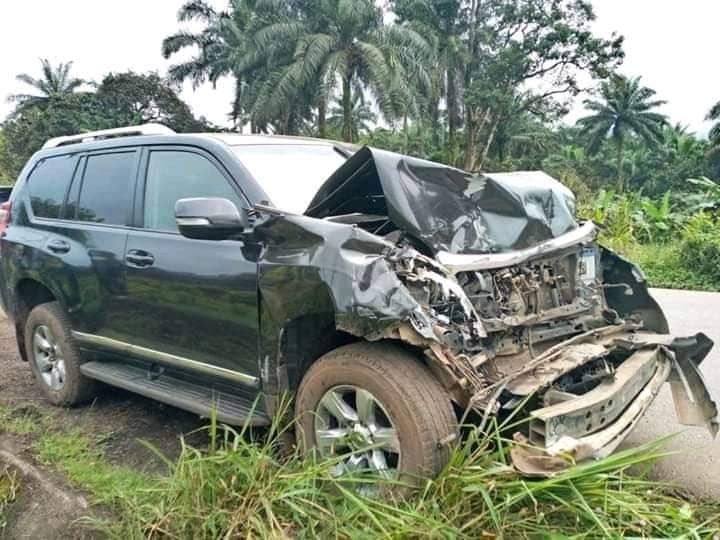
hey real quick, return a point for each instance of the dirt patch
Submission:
(46, 506)
(120, 418)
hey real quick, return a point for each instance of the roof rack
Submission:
(144, 129)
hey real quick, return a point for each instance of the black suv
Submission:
(385, 293)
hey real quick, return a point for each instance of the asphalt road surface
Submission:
(696, 466)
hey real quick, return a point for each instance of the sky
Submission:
(671, 44)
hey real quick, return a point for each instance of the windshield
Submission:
(290, 174)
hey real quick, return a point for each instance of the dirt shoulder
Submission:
(119, 419)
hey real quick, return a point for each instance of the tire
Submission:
(417, 407)
(52, 323)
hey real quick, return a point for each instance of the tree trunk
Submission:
(469, 139)
(452, 106)
(435, 122)
(486, 148)
(406, 142)
(620, 185)
(347, 109)
(322, 114)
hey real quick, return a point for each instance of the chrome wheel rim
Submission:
(48, 358)
(352, 422)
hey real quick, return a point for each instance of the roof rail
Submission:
(144, 129)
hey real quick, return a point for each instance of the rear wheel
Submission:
(54, 356)
(380, 396)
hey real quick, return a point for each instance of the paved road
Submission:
(697, 465)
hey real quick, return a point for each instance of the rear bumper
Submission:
(571, 428)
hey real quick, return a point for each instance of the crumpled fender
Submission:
(634, 303)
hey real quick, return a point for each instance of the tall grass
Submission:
(9, 486)
(241, 487)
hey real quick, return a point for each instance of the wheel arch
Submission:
(29, 293)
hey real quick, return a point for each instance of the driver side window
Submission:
(178, 174)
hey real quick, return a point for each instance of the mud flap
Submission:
(693, 404)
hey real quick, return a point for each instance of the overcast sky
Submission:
(672, 44)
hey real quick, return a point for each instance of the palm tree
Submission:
(625, 110)
(441, 21)
(55, 82)
(344, 42)
(225, 47)
(362, 116)
(714, 151)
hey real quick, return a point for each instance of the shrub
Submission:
(700, 245)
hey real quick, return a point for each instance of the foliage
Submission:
(55, 82)
(121, 99)
(714, 150)
(242, 486)
(675, 240)
(700, 244)
(626, 108)
(9, 487)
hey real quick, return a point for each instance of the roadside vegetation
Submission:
(481, 85)
(242, 485)
(9, 486)
(478, 85)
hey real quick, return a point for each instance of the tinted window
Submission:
(107, 188)
(173, 175)
(48, 183)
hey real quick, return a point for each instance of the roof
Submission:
(239, 139)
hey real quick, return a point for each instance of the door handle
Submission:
(138, 257)
(58, 246)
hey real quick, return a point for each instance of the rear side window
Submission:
(48, 184)
(106, 191)
(174, 175)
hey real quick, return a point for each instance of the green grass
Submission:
(81, 458)
(9, 486)
(665, 266)
(20, 421)
(240, 488)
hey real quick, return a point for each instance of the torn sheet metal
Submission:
(448, 209)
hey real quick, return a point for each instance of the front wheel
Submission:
(379, 405)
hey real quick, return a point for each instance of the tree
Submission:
(443, 24)
(137, 99)
(345, 43)
(361, 119)
(225, 47)
(55, 82)
(625, 110)
(121, 99)
(714, 150)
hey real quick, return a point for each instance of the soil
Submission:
(121, 419)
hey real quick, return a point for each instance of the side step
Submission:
(231, 408)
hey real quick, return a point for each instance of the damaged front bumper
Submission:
(570, 428)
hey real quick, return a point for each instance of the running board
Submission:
(238, 409)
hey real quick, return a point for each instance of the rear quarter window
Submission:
(48, 184)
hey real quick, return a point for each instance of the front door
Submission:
(193, 301)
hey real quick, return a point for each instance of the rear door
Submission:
(71, 231)
(192, 303)
(94, 229)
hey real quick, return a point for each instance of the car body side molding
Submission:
(166, 358)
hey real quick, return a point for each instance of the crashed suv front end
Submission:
(512, 301)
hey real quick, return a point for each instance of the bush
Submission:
(700, 245)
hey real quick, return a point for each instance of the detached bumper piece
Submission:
(571, 428)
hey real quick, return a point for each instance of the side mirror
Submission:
(210, 218)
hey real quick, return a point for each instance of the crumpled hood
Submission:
(448, 209)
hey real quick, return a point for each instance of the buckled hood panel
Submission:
(448, 209)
